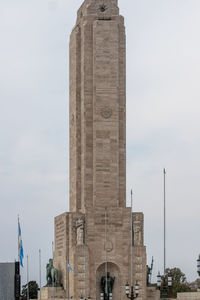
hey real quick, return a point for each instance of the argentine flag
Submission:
(21, 250)
(70, 268)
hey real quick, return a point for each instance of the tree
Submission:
(33, 289)
(179, 283)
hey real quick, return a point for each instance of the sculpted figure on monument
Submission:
(137, 235)
(51, 274)
(80, 231)
(107, 283)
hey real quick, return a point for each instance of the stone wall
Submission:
(188, 296)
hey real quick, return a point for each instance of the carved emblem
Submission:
(106, 112)
(102, 8)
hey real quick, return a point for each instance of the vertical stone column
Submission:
(97, 108)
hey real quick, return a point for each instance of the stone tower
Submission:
(95, 236)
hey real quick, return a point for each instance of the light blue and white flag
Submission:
(70, 268)
(21, 250)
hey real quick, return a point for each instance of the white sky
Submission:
(163, 104)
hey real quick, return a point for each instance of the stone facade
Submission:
(69, 249)
(188, 296)
(96, 234)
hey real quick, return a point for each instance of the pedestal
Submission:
(51, 293)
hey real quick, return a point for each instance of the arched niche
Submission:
(114, 272)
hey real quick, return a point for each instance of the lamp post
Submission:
(132, 295)
(165, 286)
(104, 296)
(169, 281)
(159, 280)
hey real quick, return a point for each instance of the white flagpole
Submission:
(52, 248)
(131, 238)
(18, 241)
(27, 280)
(40, 271)
(164, 191)
(85, 259)
(106, 258)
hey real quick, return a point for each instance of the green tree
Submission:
(33, 289)
(179, 283)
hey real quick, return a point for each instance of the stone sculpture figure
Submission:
(51, 274)
(80, 232)
(137, 235)
(107, 283)
(148, 275)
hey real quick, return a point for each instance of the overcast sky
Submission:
(163, 107)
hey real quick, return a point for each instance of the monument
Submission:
(94, 237)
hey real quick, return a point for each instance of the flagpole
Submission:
(106, 258)
(52, 248)
(40, 271)
(68, 262)
(18, 240)
(164, 175)
(131, 238)
(27, 280)
(85, 259)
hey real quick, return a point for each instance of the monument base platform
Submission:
(49, 293)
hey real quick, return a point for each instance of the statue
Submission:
(137, 235)
(149, 273)
(80, 231)
(51, 274)
(107, 283)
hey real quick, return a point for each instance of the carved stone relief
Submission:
(109, 246)
(106, 112)
(80, 232)
(137, 235)
(138, 229)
